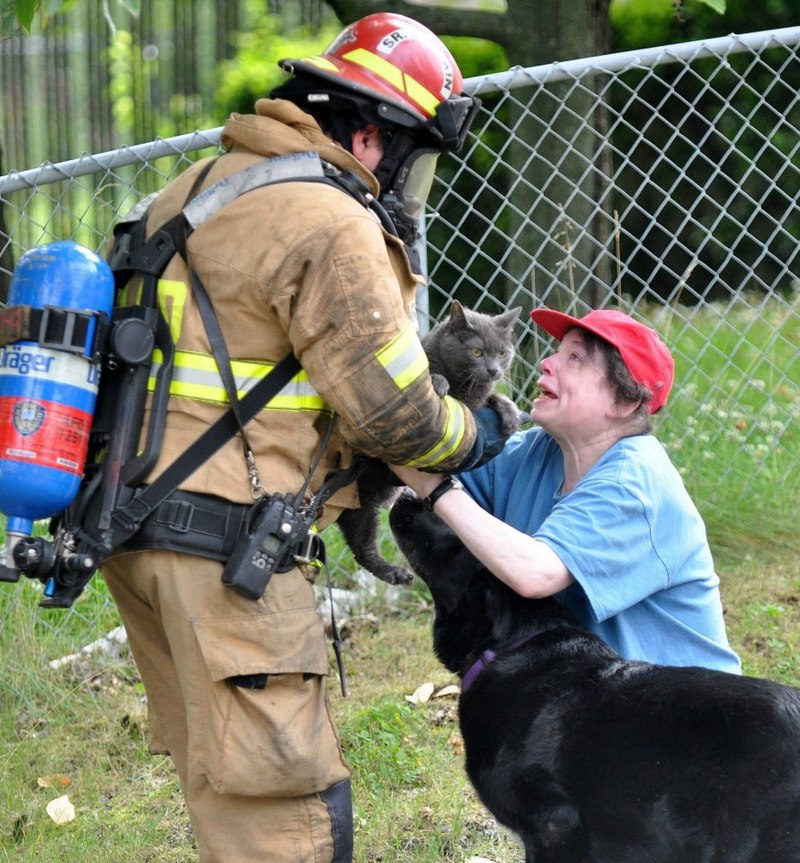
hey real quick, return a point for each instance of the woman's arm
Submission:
(528, 566)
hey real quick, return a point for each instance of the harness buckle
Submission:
(177, 515)
(65, 329)
(310, 549)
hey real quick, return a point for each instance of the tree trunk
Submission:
(552, 209)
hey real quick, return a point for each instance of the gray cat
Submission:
(468, 353)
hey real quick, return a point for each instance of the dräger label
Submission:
(28, 361)
(25, 362)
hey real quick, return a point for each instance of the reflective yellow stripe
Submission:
(398, 79)
(421, 95)
(129, 297)
(172, 302)
(450, 440)
(196, 377)
(322, 63)
(403, 358)
(382, 68)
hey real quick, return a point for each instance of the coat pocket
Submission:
(268, 727)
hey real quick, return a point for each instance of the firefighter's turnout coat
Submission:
(300, 267)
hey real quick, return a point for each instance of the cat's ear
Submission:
(509, 318)
(457, 315)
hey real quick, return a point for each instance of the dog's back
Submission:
(592, 758)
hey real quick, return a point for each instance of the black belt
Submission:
(192, 523)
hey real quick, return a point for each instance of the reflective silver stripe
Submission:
(404, 358)
(207, 203)
(195, 376)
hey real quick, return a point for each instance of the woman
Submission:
(587, 505)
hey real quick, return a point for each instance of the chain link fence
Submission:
(664, 182)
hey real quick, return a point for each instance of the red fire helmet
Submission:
(391, 58)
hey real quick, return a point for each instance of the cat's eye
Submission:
(477, 352)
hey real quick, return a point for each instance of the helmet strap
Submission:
(397, 145)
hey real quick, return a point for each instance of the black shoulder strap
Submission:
(219, 349)
(127, 519)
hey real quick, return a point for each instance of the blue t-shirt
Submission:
(631, 537)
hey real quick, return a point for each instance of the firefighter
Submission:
(236, 686)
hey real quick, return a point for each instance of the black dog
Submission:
(591, 758)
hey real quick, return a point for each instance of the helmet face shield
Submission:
(414, 181)
(404, 200)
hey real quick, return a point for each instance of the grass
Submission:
(733, 422)
(412, 801)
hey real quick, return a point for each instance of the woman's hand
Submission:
(423, 483)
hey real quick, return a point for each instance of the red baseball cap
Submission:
(648, 359)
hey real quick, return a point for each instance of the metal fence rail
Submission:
(664, 181)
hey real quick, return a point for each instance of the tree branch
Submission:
(443, 22)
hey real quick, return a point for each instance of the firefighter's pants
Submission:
(236, 694)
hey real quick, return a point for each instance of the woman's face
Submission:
(575, 399)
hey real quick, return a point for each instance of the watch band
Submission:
(447, 484)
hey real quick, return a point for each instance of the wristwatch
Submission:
(447, 484)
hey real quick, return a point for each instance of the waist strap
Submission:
(192, 523)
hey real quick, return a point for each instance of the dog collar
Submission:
(476, 668)
(488, 656)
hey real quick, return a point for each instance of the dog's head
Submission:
(432, 550)
(457, 581)
(474, 610)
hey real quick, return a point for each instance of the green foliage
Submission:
(642, 23)
(476, 56)
(15, 14)
(255, 71)
(646, 23)
(732, 419)
(22, 13)
(122, 83)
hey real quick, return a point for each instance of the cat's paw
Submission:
(511, 416)
(396, 575)
(440, 384)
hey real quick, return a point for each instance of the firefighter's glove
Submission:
(489, 439)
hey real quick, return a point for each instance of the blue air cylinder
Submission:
(48, 391)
